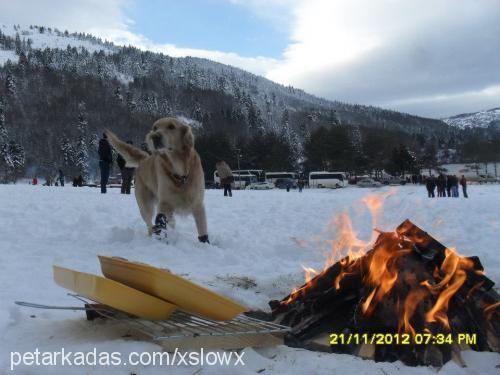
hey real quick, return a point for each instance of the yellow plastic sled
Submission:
(163, 284)
(114, 294)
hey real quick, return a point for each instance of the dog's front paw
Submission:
(204, 238)
(160, 223)
(160, 228)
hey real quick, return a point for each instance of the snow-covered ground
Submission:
(259, 236)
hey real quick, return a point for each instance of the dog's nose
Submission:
(157, 142)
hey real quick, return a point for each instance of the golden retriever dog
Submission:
(168, 181)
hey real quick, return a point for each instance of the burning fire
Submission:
(430, 296)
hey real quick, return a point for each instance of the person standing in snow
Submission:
(61, 177)
(449, 184)
(463, 182)
(454, 186)
(226, 177)
(430, 184)
(127, 173)
(441, 185)
(105, 161)
(300, 184)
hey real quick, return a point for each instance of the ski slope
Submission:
(260, 240)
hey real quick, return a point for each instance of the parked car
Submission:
(260, 186)
(394, 181)
(368, 182)
(282, 183)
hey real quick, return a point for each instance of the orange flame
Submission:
(309, 273)
(411, 303)
(453, 268)
(382, 270)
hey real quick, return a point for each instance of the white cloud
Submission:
(387, 52)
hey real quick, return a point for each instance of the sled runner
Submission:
(177, 290)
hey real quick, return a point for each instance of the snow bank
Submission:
(261, 237)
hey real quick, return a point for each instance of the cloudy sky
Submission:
(428, 57)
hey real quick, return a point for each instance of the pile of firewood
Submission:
(407, 285)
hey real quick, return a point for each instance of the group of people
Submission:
(447, 186)
(49, 180)
(105, 163)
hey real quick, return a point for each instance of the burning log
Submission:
(408, 287)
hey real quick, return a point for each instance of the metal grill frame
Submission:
(180, 325)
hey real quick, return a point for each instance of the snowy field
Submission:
(260, 240)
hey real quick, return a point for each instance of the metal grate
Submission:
(180, 324)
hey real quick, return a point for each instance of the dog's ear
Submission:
(187, 138)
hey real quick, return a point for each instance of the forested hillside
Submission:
(60, 90)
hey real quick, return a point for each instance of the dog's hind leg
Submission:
(145, 201)
(200, 219)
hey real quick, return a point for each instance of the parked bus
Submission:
(323, 179)
(273, 176)
(241, 179)
(259, 173)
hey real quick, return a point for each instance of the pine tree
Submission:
(11, 154)
(14, 158)
(253, 120)
(68, 153)
(10, 84)
(118, 94)
(81, 148)
(3, 130)
(131, 104)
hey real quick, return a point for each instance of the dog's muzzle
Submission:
(157, 141)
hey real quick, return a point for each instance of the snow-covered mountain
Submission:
(481, 119)
(45, 37)
(88, 55)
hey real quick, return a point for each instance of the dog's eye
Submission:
(171, 127)
(155, 128)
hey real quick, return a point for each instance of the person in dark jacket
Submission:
(449, 184)
(300, 184)
(454, 186)
(441, 185)
(105, 161)
(430, 184)
(226, 176)
(127, 173)
(463, 182)
(78, 181)
(61, 177)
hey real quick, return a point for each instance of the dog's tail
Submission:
(131, 154)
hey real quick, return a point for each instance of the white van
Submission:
(273, 176)
(324, 179)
